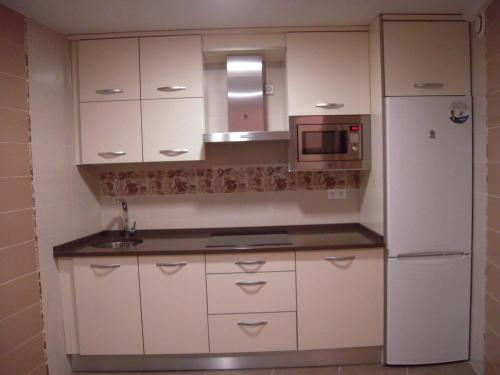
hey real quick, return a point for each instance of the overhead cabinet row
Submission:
(141, 99)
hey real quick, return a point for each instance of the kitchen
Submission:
(275, 218)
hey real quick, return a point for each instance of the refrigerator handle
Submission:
(431, 254)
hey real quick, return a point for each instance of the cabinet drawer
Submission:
(256, 292)
(251, 262)
(252, 332)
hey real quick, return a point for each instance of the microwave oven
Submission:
(329, 143)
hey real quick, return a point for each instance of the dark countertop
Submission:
(193, 241)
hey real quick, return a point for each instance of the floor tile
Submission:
(372, 370)
(307, 371)
(462, 368)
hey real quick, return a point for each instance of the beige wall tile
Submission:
(17, 260)
(24, 358)
(493, 68)
(493, 280)
(493, 313)
(13, 92)
(17, 227)
(494, 213)
(494, 179)
(13, 126)
(11, 25)
(494, 247)
(17, 193)
(18, 294)
(42, 370)
(14, 160)
(13, 59)
(494, 107)
(20, 327)
(492, 347)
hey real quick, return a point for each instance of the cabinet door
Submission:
(172, 129)
(108, 69)
(108, 305)
(174, 304)
(111, 132)
(171, 67)
(328, 73)
(340, 298)
(426, 58)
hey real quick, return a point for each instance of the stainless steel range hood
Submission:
(245, 98)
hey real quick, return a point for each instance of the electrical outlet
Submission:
(269, 89)
(336, 193)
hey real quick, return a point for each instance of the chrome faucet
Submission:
(126, 229)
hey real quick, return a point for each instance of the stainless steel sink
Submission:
(118, 244)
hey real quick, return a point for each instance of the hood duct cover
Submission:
(245, 93)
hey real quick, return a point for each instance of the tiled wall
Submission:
(492, 301)
(66, 199)
(21, 326)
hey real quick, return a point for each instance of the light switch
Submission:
(336, 193)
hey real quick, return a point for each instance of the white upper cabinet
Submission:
(328, 73)
(108, 69)
(426, 58)
(110, 132)
(171, 67)
(172, 129)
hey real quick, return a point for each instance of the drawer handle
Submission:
(429, 85)
(253, 324)
(249, 262)
(111, 154)
(114, 265)
(174, 152)
(172, 264)
(171, 88)
(246, 283)
(109, 91)
(350, 257)
(329, 105)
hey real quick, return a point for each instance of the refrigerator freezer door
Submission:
(429, 174)
(427, 309)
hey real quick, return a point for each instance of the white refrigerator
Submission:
(429, 225)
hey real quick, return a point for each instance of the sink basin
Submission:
(118, 244)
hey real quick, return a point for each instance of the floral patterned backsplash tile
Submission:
(222, 180)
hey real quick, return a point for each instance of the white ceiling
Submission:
(100, 16)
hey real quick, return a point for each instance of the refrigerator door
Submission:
(427, 309)
(429, 174)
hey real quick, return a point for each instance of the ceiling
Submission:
(101, 16)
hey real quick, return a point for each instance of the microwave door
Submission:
(318, 143)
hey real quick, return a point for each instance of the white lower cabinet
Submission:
(108, 305)
(340, 298)
(234, 333)
(174, 304)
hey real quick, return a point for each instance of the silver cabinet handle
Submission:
(172, 264)
(329, 105)
(114, 265)
(260, 282)
(334, 258)
(252, 324)
(171, 88)
(249, 262)
(109, 91)
(431, 254)
(174, 152)
(111, 154)
(428, 85)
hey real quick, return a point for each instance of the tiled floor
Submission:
(462, 368)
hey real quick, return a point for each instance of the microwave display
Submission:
(325, 142)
